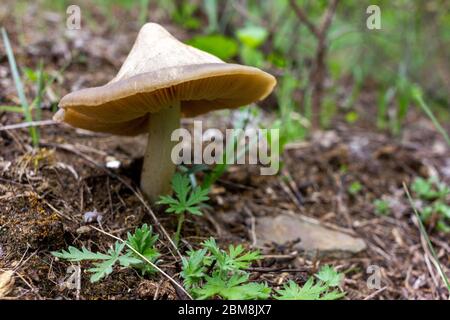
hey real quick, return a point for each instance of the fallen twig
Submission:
(28, 124)
(253, 225)
(374, 294)
(278, 269)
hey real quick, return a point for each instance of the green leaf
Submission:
(426, 213)
(241, 259)
(128, 260)
(186, 199)
(423, 188)
(232, 288)
(330, 276)
(351, 117)
(442, 209)
(355, 188)
(73, 254)
(143, 241)
(430, 189)
(104, 268)
(181, 186)
(382, 207)
(168, 200)
(211, 245)
(213, 272)
(101, 270)
(252, 36)
(193, 267)
(235, 260)
(277, 59)
(442, 226)
(223, 47)
(310, 291)
(197, 196)
(250, 291)
(252, 56)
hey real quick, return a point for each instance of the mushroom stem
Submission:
(158, 167)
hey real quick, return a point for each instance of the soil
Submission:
(45, 193)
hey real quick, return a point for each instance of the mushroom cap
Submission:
(160, 71)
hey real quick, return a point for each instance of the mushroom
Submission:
(161, 80)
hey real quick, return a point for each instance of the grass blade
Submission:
(39, 91)
(39, 94)
(19, 87)
(417, 95)
(427, 239)
(143, 13)
(16, 109)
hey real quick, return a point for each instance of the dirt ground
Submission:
(44, 194)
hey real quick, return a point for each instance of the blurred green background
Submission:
(409, 56)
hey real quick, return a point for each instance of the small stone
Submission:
(83, 230)
(112, 163)
(314, 238)
(92, 216)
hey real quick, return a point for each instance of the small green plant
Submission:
(430, 189)
(328, 278)
(434, 195)
(186, 200)
(381, 207)
(309, 291)
(211, 272)
(143, 241)
(355, 187)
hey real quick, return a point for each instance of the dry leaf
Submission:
(6, 282)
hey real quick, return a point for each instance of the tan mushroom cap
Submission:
(158, 72)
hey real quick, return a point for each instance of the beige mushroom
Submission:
(161, 80)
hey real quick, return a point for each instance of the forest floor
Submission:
(45, 194)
